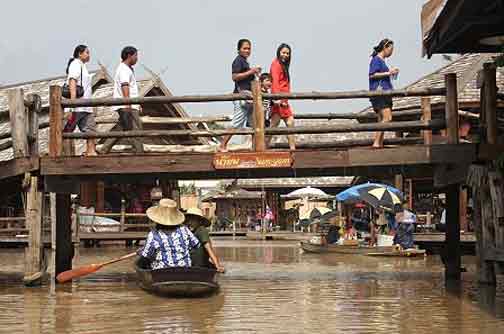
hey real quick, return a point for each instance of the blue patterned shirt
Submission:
(169, 248)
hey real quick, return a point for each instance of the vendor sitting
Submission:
(169, 243)
(404, 233)
(333, 234)
(201, 256)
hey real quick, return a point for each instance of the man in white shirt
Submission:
(125, 86)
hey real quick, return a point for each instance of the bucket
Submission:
(385, 240)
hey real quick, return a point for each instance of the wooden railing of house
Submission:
(426, 125)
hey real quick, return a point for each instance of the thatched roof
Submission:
(298, 182)
(233, 194)
(102, 87)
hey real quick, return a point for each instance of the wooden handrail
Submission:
(324, 129)
(362, 94)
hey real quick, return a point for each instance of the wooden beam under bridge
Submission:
(415, 160)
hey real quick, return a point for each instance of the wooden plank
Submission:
(324, 129)
(18, 123)
(64, 247)
(398, 155)
(426, 116)
(452, 243)
(323, 161)
(445, 175)
(56, 122)
(34, 209)
(362, 94)
(494, 254)
(452, 118)
(489, 152)
(490, 103)
(18, 167)
(259, 139)
(453, 154)
(348, 143)
(252, 160)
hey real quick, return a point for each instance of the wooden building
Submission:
(464, 26)
(236, 204)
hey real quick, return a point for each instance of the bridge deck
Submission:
(412, 160)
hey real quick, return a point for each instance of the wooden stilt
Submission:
(490, 104)
(452, 244)
(64, 247)
(451, 112)
(34, 267)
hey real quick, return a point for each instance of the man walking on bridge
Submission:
(125, 86)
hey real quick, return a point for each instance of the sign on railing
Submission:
(252, 160)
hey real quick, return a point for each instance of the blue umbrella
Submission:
(352, 194)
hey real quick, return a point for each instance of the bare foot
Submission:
(91, 154)
(222, 149)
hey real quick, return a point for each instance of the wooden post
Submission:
(33, 124)
(490, 103)
(64, 247)
(399, 182)
(100, 196)
(410, 190)
(452, 244)
(259, 140)
(123, 214)
(481, 211)
(33, 213)
(426, 116)
(451, 112)
(55, 122)
(463, 210)
(17, 114)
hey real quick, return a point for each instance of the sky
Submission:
(192, 43)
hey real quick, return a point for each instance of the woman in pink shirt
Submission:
(280, 75)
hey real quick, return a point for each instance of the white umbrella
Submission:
(308, 192)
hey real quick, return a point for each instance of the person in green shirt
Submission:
(201, 256)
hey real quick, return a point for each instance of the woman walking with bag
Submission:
(281, 80)
(79, 85)
(380, 78)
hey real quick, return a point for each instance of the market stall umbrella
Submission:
(308, 192)
(352, 195)
(382, 196)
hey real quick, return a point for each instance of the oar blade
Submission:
(69, 275)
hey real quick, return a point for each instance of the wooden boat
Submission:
(343, 249)
(178, 282)
(401, 253)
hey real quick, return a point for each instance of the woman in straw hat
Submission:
(201, 256)
(170, 242)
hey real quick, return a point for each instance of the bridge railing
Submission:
(259, 132)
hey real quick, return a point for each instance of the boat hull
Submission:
(178, 282)
(341, 249)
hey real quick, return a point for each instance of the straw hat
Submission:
(198, 213)
(166, 213)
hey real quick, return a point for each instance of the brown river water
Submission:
(269, 287)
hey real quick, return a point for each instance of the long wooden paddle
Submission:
(89, 269)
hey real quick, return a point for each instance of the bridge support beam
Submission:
(452, 251)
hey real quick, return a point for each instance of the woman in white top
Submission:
(78, 75)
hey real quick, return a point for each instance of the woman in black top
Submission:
(242, 76)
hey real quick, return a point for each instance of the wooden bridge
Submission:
(435, 151)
